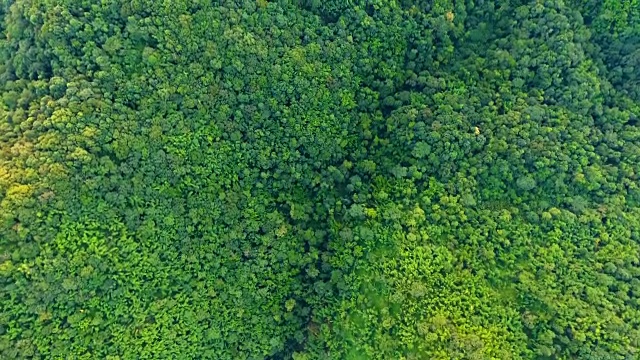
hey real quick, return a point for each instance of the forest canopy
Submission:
(363, 179)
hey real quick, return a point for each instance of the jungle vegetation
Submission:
(336, 179)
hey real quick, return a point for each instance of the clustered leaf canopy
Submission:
(363, 179)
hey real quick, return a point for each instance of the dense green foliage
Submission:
(364, 179)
